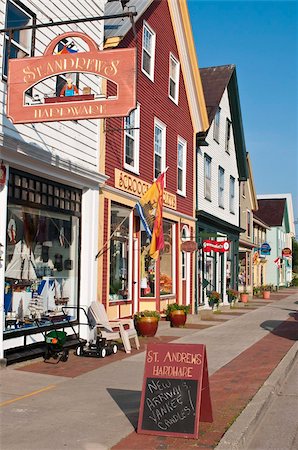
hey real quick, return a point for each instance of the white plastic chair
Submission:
(104, 326)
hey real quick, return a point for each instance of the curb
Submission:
(242, 430)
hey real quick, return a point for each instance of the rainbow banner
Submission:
(150, 210)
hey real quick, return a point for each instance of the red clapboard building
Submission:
(159, 135)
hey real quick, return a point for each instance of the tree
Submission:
(295, 255)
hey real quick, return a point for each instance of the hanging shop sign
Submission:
(117, 66)
(265, 249)
(286, 252)
(134, 185)
(175, 394)
(216, 246)
(189, 246)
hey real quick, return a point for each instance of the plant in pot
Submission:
(244, 295)
(232, 296)
(213, 299)
(146, 322)
(266, 290)
(177, 314)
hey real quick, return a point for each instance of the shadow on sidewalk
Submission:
(287, 329)
(129, 402)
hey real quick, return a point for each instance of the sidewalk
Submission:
(91, 403)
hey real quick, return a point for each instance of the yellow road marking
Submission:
(7, 402)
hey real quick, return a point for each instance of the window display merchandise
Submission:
(41, 269)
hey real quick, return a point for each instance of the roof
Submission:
(271, 211)
(215, 80)
(290, 209)
(120, 26)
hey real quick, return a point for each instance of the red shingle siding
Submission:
(154, 102)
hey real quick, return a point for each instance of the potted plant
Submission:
(146, 322)
(177, 314)
(213, 299)
(266, 290)
(232, 296)
(244, 295)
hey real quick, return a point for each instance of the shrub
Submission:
(146, 313)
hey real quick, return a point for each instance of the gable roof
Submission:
(215, 80)
(271, 211)
(119, 27)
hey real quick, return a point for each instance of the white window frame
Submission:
(248, 222)
(162, 150)
(134, 135)
(23, 35)
(216, 125)
(150, 52)
(175, 79)
(232, 197)
(207, 177)
(228, 135)
(221, 186)
(181, 166)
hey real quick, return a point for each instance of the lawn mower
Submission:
(54, 348)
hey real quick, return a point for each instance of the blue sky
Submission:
(260, 37)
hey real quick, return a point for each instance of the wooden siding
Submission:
(76, 141)
(155, 103)
(221, 158)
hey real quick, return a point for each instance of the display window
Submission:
(120, 251)
(148, 266)
(167, 260)
(42, 258)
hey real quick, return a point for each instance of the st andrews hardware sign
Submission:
(117, 66)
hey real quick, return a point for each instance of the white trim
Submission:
(136, 141)
(163, 128)
(175, 99)
(28, 157)
(183, 143)
(152, 51)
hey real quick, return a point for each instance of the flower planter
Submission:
(244, 298)
(147, 326)
(266, 295)
(177, 318)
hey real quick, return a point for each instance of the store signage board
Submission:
(133, 185)
(216, 246)
(189, 246)
(117, 66)
(265, 249)
(175, 395)
(286, 252)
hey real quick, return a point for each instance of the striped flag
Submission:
(150, 211)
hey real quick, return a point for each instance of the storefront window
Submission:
(41, 271)
(166, 260)
(119, 253)
(147, 265)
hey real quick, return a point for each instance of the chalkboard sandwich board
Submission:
(175, 394)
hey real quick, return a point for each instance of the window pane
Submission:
(166, 260)
(119, 261)
(147, 267)
(41, 268)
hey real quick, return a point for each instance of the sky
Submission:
(261, 39)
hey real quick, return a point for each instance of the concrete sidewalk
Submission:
(94, 404)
